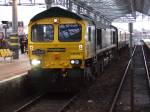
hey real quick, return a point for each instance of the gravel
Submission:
(99, 96)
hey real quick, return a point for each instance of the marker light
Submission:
(55, 20)
(35, 62)
(81, 47)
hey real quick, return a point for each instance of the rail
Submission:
(37, 99)
(22, 108)
(121, 83)
(146, 68)
(68, 103)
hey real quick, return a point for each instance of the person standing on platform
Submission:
(1, 43)
(1, 40)
(25, 43)
(4, 44)
(21, 45)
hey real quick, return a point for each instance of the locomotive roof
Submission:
(56, 12)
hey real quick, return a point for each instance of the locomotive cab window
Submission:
(42, 33)
(70, 32)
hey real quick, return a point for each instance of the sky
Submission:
(25, 13)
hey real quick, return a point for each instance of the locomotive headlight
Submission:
(35, 62)
(72, 62)
(75, 61)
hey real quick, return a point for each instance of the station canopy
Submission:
(111, 9)
(114, 9)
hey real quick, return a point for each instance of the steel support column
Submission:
(48, 3)
(69, 5)
(131, 40)
(78, 9)
(14, 17)
(15, 47)
(131, 68)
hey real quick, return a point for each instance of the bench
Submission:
(6, 53)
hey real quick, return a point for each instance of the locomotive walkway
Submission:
(10, 69)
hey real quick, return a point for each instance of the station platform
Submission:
(147, 42)
(12, 68)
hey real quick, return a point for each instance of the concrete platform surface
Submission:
(9, 69)
(147, 42)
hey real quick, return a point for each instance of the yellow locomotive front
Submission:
(58, 43)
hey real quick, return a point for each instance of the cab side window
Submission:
(89, 33)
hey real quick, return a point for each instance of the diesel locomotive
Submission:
(62, 43)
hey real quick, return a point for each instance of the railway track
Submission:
(121, 102)
(48, 103)
(78, 103)
(133, 92)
